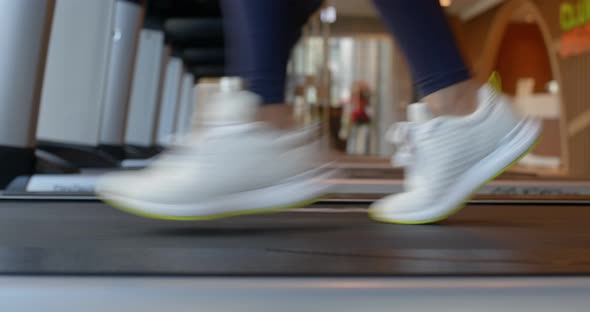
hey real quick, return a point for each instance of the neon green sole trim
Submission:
(465, 201)
(210, 217)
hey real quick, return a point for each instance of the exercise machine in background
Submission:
(98, 93)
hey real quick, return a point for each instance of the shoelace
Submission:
(188, 146)
(400, 135)
(179, 152)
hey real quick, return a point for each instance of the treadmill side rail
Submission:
(54, 184)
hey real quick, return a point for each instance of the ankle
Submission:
(459, 99)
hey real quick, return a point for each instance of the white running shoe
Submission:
(235, 166)
(448, 158)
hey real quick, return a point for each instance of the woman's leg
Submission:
(260, 35)
(423, 34)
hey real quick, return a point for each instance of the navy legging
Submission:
(261, 33)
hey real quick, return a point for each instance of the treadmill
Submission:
(85, 256)
(89, 99)
(85, 82)
(88, 256)
(146, 91)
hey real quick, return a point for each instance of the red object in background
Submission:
(360, 98)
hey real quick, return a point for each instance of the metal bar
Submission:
(294, 294)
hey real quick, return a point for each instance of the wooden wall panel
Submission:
(482, 37)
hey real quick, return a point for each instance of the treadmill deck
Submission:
(87, 238)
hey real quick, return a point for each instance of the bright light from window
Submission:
(328, 14)
(553, 87)
(445, 3)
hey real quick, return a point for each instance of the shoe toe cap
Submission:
(120, 183)
(398, 208)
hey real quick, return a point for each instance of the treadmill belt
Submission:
(91, 238)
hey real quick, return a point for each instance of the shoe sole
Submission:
(285, 196)
(526, 135)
